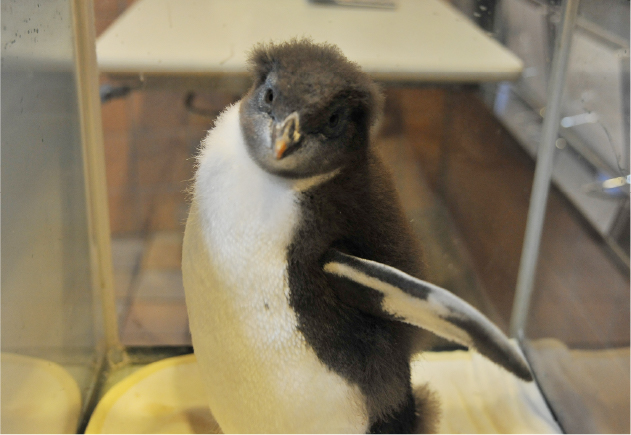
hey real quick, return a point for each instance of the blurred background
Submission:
(463, 156)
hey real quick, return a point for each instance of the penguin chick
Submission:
(303, 283)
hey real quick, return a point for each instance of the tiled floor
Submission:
(150, 142)
(150, 295)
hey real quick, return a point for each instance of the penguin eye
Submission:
(269, 96)
(334, 120)
(334, 123)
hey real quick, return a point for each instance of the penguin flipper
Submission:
(407, 299)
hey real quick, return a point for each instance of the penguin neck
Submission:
(225, 161)
(304, 184)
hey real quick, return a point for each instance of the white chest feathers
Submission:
(260, 374)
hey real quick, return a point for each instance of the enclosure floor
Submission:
(150, 295)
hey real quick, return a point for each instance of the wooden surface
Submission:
(418, 41)
(588, 389)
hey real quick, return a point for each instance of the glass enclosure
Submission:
(52, 333)
(101, 298)
(577, 330)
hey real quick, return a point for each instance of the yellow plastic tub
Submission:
(38, 396)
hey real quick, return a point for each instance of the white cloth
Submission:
(477, 396)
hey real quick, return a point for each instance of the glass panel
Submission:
(47, 299)
(577, 332)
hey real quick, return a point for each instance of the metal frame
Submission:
(543, 172)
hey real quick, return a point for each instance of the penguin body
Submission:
(302, 279)
(264, 377)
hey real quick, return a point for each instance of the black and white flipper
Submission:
(427, 306)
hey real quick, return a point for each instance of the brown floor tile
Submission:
(101, 24)
(158, 109)
(424, 111)
(122, 284)
(156, 324)
(164, 251)
(163, 210)
(156, 285)
(582, 298)
(164, 160)
(115, 115)
(117, 156)
(107, 7)
(194, 137)
(447, 261)
(124, 212)
(588, 389)
(476, 178)
(105, 12)
(127, 253)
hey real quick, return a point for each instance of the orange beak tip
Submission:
(279, 149)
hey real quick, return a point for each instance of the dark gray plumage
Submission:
(296, 231)
(335, 102)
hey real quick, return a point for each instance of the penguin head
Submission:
(309, 110)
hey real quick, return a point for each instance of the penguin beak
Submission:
(285, 135)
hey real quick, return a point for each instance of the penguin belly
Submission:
(259, 372)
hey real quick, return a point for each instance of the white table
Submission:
(419, 41)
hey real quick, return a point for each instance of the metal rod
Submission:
(543, 172)
(86, 72)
